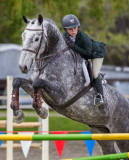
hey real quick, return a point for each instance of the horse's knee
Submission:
(17, 82)
(38, 83)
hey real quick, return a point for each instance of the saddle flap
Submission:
(90, 71)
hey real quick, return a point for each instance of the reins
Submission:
(50, 60)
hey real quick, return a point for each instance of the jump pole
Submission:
(47, 137)
(45, 127)
(3, 124)
(104, 157)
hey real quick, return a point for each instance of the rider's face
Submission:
(72, 31)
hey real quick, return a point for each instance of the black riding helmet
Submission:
(70, 21)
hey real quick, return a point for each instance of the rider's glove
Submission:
(70, 43)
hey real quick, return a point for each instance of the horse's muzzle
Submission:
(23, 68)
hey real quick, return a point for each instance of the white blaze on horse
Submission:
(57, 76)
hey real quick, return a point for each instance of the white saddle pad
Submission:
(86, 74)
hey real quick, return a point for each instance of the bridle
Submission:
(38, 60)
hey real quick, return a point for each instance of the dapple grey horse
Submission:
(46, 55)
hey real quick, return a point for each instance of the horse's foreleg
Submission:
(37, 105)
(18, 114)
(53, 90)
(37, 99)
(27, 86)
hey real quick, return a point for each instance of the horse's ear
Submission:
(40, 19)
(25, 19)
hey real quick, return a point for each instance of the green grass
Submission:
(62, 123)
(56, 123)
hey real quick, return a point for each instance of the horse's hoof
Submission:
(19, 116)
(42, 112)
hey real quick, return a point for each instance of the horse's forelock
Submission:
(33, 24)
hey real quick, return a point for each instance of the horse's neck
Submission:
(56, 40)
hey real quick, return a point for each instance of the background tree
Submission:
(103, 20)
(108, 21)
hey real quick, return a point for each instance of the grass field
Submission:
(56, 122)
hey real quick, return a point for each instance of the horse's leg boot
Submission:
(18, 114)
(37, 105)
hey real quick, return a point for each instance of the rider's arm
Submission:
(83, 45)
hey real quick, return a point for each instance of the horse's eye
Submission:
(36, 39)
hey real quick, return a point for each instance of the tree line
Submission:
(103, 20)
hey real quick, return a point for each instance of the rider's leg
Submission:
(97, 63)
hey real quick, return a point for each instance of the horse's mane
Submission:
(50, 20)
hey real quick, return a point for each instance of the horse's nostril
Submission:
(25, 68)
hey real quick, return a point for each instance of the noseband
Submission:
(38, 60)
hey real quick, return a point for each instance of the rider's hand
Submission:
(69, 42)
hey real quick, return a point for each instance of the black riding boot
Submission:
(99, 98)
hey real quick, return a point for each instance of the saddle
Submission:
(88, 73)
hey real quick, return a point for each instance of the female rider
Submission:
(87, 48)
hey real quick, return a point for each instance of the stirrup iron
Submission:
(98, 100)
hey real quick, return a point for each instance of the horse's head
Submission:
(33, 37)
